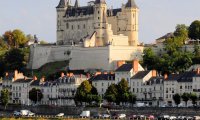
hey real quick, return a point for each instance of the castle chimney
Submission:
(165, 76)
(6, 74)
(198, 70)
(15, 75)
(120, 63)
(135, 65)
(62, 74)
(42, 79)
(154, 73)
(34, 78)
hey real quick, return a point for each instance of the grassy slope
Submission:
(48, 69)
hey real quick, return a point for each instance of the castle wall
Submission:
(76, 28)
(84, 58)
(41, 55)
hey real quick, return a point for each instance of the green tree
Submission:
(123, 91)
(149, 59)
(5, 97)
(185, 97)
(19, 38)
(111, 93)
(14, 59)
(194, 30)
(3, 45)
(132, 98)
(8, 37)
(86, 93)
(193, 98)
(177, 99)
(35, 95)
(196, 50)
(181, 33)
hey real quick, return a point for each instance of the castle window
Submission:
(98, 12)
(78, 27)
(84, 26)
(72, 27)
(67, 25)
(98, 18)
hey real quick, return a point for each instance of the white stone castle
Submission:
(92, 36)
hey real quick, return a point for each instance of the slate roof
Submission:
(85, 10)
(100, 1)
(23, 80)
(103, 77)
(35, 83)
(131, 4)
(114, 11)
(183, 77)
(62, 4)
(124, 68)
(140, 75)
(168, 35)
(155, 80)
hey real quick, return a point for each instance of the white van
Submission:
(85, 114)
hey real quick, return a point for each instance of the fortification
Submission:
(92, 36)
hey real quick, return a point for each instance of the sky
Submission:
(156, 17)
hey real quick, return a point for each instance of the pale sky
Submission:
(157, 17)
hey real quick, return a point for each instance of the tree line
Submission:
(175, 59)
(115, 93)
(185, 97)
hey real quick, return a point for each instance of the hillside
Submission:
(48, 69)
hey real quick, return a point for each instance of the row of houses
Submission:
(147, 85)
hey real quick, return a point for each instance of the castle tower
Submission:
(76, 5)
(100, 20)
(61, 9)
(132, 25)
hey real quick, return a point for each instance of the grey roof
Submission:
(100, 1)
(103, 77)
(62, 4)
(131, 4)
(77, 11)
(183, 77)
(140, 75)
(35, 83)
(124, 68)
(168, 35)
(23, 80)
(155, 80)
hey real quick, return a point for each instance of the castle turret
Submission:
(132, 26)
(61, 10)
(100, 19)
(76, 5)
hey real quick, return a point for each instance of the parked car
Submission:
(151, 117)
(132, 117)
(121, 116)
(16, 113)
(105, 116)
(26, 113)
(181, 117)
(60, 115)
(172, 118)
(97, 115)
(196, 117)
(31, 113)
(163, 117)
(85, 114)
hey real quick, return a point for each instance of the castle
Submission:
(92, 36)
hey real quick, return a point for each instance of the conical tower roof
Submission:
(76, 4)
(100, 1)
(131, 4)
(62, 4)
